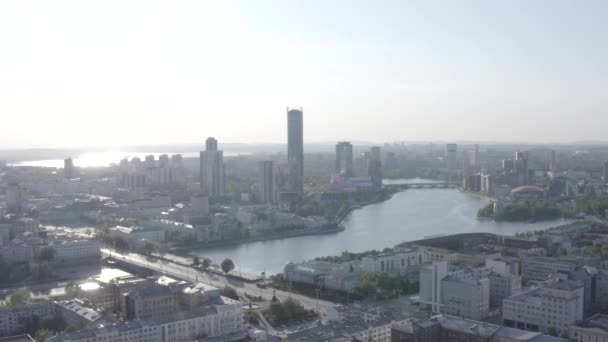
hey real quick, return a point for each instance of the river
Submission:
(409, 215)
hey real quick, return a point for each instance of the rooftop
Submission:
(598, 322)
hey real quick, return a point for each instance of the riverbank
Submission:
(385, 196)
(225, 243)
(476, 194)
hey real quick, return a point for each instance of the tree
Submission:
(196, 261)
(148, 248)
(72, 289)
(45, 254)
(227, 265)
(229, 292)
(18, 297)
(206, 263)
(42, 334)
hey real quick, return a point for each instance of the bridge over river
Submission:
(420, 185)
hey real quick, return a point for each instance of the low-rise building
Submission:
(359, 322)
(396, 263)
(78, 316)
(135, 234)
(456, 329)
(475, 258)
(549, 308)
(345, 276)
(594, 329)
(540, 268)
(12, 317)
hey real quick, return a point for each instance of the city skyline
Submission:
(416, 71)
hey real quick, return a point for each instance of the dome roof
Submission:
(527, 189)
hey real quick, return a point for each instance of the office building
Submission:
(522, 170)
(451, 157)
(68, 168)
(503, 285)
(212, 172)
(553, 162)
(295, 147)
(374, 167)
(605, 172)
(344, 158)
(466, 294)
(540, 268)
(550, 308)
(265, 184)
(508, 165)
(473, 160)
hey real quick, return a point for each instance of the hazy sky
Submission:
(80, 73)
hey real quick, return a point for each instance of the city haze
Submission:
(145, 72)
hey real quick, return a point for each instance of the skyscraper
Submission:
(374, 168)
(295, 147)
(451, 156)
(522, 170)
(212, 169)
(265, 181)
(553, 162)
(605, 172)
(68, 168)
(473, 158)
(344, 158)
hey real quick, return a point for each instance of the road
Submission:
(190, 274)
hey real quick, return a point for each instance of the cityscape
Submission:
(283, 171)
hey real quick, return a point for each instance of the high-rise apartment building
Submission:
(295, 147)
(212, 172)
(68, 168)
(344, 158)
(265, 181)
(452, 157)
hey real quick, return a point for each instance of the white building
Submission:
(466, 295)
(503, 265)
(430, 284)
(397, 263)
(223, 317)
(76, 250)
(135, 234)
(551, 307)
